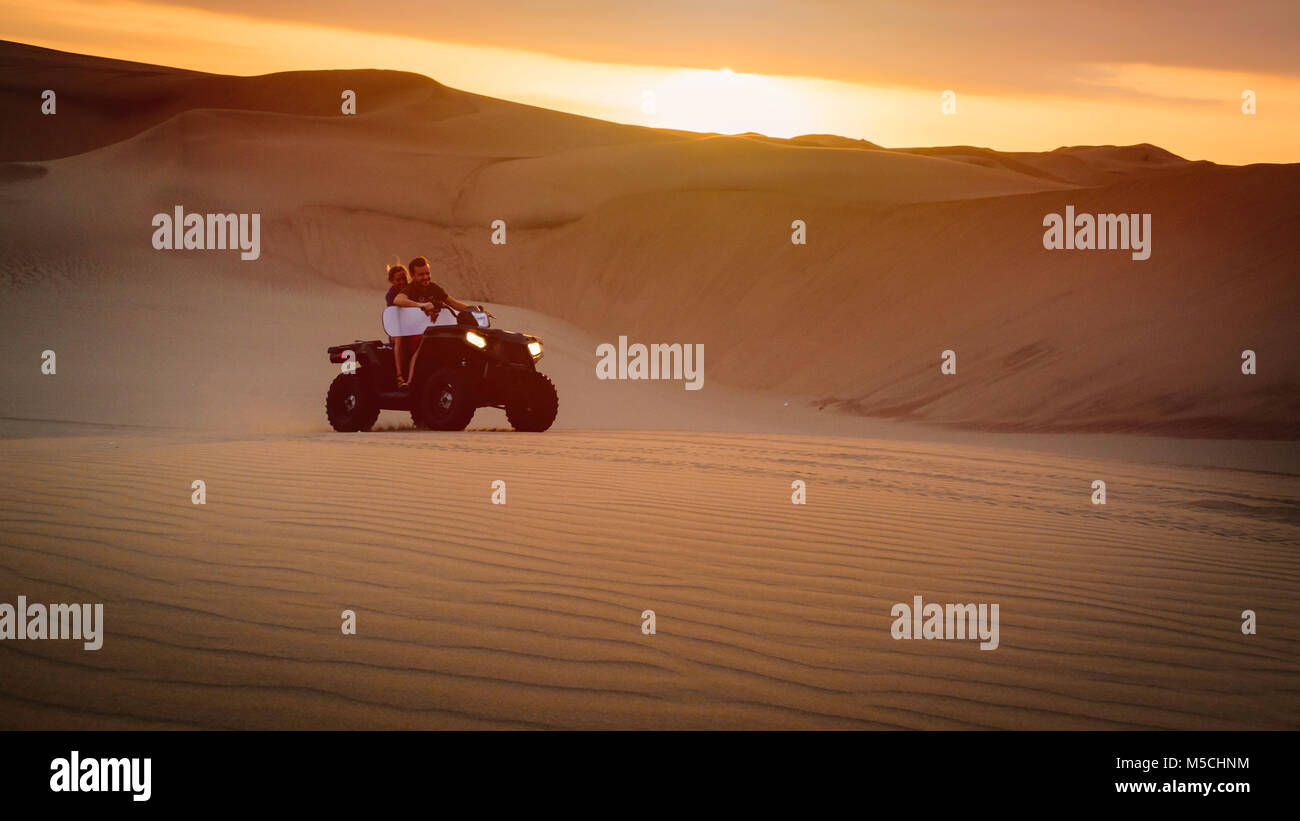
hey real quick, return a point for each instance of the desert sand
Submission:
(822, 366)
(528, 614)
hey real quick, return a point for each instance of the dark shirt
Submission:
(432, 292)
(392, 294)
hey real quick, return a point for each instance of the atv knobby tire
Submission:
(534, 405)
(446, 400)
(349, 405)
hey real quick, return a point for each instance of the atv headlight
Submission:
(535, 348)
(475, 340)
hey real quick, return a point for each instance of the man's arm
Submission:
(404, 301)
(461, 306)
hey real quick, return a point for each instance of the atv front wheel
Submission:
(446, 401)
(349, 405)
(534, 404)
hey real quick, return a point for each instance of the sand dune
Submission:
(664, 235)
(822, 364)
(1089, 165)
(105, 101)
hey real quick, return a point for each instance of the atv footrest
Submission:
(395, 400)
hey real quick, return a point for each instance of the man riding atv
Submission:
(463, 364)
(423, 293)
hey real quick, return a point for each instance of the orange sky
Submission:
(1024, 77)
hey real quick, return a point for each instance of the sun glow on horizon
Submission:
(1192, 112)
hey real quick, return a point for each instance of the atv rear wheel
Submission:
(446, 400)
(350, 405)
(534, 405)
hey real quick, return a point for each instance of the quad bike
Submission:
(463, 364)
